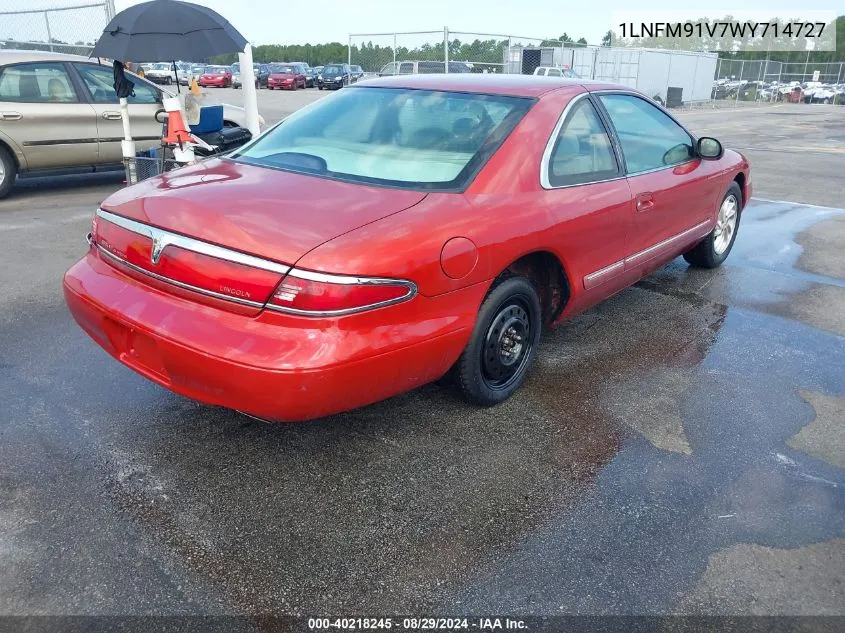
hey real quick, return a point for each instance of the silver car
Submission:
(61, 111)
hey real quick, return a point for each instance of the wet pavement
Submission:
(678, 448)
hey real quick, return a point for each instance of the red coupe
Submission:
(397, 231)
(217, 76)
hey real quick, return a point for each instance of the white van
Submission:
(553, 71)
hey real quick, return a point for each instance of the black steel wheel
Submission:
(503, 343)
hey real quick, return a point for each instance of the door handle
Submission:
(10, 116)
(111, 116)
(645, 201)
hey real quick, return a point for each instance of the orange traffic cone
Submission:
(195, 87)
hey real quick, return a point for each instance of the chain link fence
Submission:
(58, 26)
(767, 80)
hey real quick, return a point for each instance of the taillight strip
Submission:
(345, 280)
(180, 284)
(162, 239)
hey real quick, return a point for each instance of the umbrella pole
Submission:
(127, 144)
(176, 76)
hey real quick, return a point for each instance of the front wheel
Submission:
(319, 87)
(714, 249)
(503, 343)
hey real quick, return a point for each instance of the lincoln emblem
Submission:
(159, 242)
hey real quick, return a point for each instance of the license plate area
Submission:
(138, 350)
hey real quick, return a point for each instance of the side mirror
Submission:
(709, 148)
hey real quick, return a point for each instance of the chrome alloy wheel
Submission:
(726, 224)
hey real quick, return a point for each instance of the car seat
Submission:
(28, 87)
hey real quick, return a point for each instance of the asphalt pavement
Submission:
(677, 449)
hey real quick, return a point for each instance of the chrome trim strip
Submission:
(162, 239)
(179, 284)
(633, 259)
(597, 278)
(550, 144)
(327, 278)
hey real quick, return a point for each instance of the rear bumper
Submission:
(274, 366)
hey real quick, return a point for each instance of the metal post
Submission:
(806, 63)
(249, 91)
(739, 88)
(839, 74)
(49, 35)
(510, 53)
(349, 51)
(446, 47)
(110, 10)
(395, 72)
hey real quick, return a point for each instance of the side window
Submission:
(649, 138)
(388, 69)
(553, 72)
(42, 82)
(100, 83)
(582, 152)
(406, 68)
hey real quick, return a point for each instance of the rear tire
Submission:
(503, 343)
(715, 248)
(8, 172)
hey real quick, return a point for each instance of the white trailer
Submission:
(652, 71)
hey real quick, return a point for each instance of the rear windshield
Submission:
(332, 70)
(412, 139)
(215, 69)
(282, 70)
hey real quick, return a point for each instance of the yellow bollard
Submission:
(195, 88)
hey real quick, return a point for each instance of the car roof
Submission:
(11, 56)
(489, 83)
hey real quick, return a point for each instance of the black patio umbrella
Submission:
(167, 30)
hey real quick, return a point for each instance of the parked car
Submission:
(163, 73)
(216, 76)
(286, 77)
(555, 71)
(395, 232)
(306, 70)
(260, 71)
(334, 76)
(795, 95)
(197, 71)
(356, 73)
(423, 67)
(60, 111)
(262, 75)
(313, 75)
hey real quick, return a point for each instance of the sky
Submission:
(275, 22)
(280, 22)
